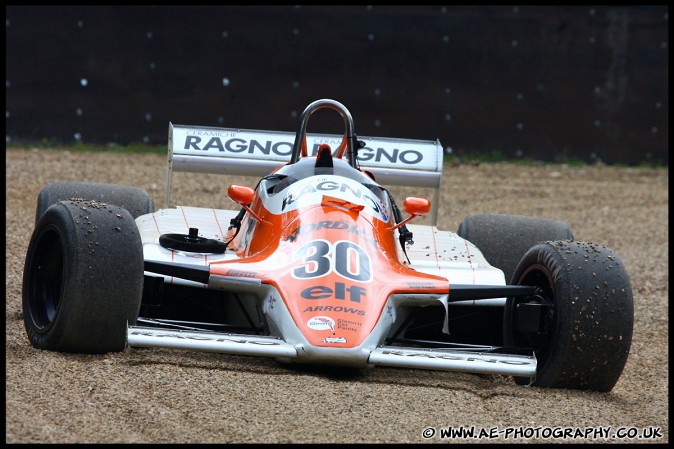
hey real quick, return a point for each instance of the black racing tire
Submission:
(583, 338)
(133, 199)
(503, 239)
(83, 278)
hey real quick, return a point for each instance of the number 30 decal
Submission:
(347, 259)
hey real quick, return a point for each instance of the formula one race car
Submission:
(318, 265)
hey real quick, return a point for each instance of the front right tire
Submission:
(583, 335)
(503, 239)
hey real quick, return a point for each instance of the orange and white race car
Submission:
(318, 265)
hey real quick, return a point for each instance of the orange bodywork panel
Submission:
(327, 259)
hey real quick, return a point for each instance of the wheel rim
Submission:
(541, 341)
(46, 279)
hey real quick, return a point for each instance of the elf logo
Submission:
(340, 291)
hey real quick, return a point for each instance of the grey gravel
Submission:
(164, 396)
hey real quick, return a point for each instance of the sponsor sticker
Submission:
(334, 340)
(321, 323)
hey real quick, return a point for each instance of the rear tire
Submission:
(503, 239)
(133, 199)
(585, 332)
(83, 278)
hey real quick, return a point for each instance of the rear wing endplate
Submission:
(402, 162)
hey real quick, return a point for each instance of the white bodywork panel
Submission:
(211, 223)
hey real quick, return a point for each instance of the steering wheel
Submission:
(349, 142)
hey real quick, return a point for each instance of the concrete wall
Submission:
(543, 82)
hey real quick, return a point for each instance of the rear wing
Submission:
(403, 162)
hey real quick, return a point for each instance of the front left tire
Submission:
(83, 278)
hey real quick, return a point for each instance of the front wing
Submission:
(392, 356)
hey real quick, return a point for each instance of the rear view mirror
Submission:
(241, 194)
(244, 196)
(414, 206)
